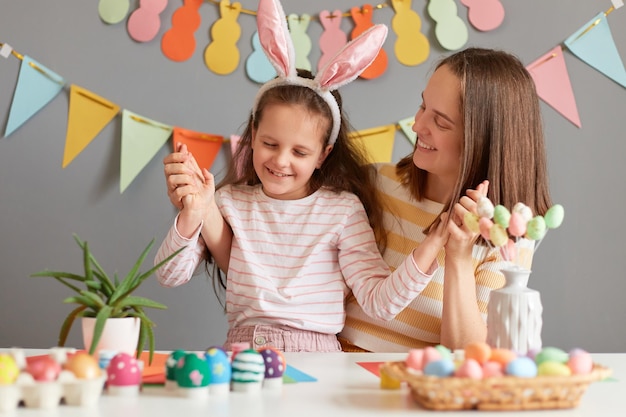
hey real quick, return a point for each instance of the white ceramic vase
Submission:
(515, 314)
(119, 335)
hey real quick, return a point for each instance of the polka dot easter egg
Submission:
(221, 370)
(171, 364)
(123, 375)
(193, 376)
(275, 366)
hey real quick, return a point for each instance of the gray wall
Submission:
(579, 268)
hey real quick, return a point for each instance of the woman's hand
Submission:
(461, 238)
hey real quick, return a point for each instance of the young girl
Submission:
(479, 119)
(288, 224)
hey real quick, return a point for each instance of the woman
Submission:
(479, 132)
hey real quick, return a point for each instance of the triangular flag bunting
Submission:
(36, 87)
(88, 115)
(593, 43)
(553, 84)
(377, 142)
(407, 128)
(203, 146)
(141, 140)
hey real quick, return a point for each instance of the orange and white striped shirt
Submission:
(294, 262)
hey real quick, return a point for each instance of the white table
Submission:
(343, 389)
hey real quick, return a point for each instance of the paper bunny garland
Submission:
(347, 64)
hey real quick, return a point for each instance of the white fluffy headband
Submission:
(343, 68)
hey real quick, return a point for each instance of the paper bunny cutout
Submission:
(347, 64)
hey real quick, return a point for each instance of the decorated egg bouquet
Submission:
(482, 377)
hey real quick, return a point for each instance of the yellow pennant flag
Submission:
(88, 115)
(377, 142)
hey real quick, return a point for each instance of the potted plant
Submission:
(103, 298)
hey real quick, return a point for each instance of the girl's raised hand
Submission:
(181, 169)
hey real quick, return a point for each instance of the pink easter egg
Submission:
(415, 359)
(492, 369)
(470, 368)
(485, 225)
(580, 364)
(430, 355)
(517, 224)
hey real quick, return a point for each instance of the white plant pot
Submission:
(119, 335)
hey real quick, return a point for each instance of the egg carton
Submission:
(65, 388)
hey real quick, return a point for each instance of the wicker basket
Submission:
(501, 393)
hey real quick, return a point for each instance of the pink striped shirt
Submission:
(293, 262)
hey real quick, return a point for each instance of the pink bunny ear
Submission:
(352, 59)
(275, 38)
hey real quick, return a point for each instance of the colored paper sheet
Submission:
(450, 30)
(258, 67)
(142, 138)
(222, 55)
(377, 142)
(373, 367)
(179, 42)
(553, 83)
(333, 38)
(203, 146)
(113, 11)
(484, 15)
(144, 23)
(406, 125)
(593, 43)
(36, 87)
(88, 115)
(411, 47)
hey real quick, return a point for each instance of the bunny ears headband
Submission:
(342, 69)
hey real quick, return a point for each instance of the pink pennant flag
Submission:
(553, 84)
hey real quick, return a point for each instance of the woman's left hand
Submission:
(461, 237)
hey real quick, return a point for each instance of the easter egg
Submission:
(492, 370)
(580, 362)
(502, 356)
(536, 228)
(44, 369)
(471, 221)
(123, 370)
(219, 365)
(248, 366)
(430, 355)
(83, 366)
(470, 368)
(517, 224)
(554, 216)
(478, 351)
(523, 210)
(9, 370)
(501, 216)
(171, 363)
(498, 235)
(551, 354)
(485, 225)
(415, 359)
(192, 371)
(444, 351)
(441, 367)
(275, 363)
(549, 368)
(484, 208)
(522, 367)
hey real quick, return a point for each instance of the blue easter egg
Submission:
(442, 367)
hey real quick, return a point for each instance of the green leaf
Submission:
(101, 319)
(85, 301)
(132, 301)
(129, 284)
(56, 274)
(87, 262)
(67, 324)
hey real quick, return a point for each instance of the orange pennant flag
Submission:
(88, 115)
(377, 142)
(203, 146)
